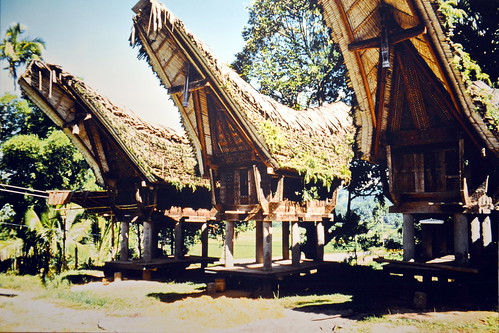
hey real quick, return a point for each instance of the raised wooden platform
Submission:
(280, 269)
(444, 267)
(155, 264)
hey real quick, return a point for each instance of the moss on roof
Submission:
(160, 153)
(316, 143)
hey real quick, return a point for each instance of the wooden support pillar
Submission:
(476, 240)
(321, 239)
(428, 232)
(179, 239)
(285, 240)
(408, 237)
(441, 241)
(486, 232)
(461, 235)
(124, 247)
(267, 246)
(229, 244)
(259, 242)
(295, 248)
(155, 240)
(147, 241)
(204, 240)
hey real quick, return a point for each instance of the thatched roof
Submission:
(356, 23)
(315, 142)
(115, 142)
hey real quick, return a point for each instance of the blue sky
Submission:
(89, 38)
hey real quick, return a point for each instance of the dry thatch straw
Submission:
(156, 154)
(316, 143)
(352, 21)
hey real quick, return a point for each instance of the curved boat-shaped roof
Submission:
(315, 142)
(363, 27)
(116, 143)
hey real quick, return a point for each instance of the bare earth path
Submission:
(24, 311)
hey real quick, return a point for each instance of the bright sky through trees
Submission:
(89, 38)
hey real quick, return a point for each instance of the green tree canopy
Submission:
(20, 116)
(478, 32)
(289, 56)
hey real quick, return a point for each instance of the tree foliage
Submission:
(289, 56)
(17, 50)
(20, 116)
(478, 31)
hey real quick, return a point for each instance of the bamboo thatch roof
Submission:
(115, 142)
(315, 142)
(356, 23)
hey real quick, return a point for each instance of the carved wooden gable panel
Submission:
(418, 100)
(228, 142)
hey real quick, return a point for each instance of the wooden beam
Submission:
(193, 86)
(199, 122)
(358, 59)
(380, 106)
(393, 38)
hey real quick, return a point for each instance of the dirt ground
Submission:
(24, 312)
(376, 305)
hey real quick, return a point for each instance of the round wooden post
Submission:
(204, 240)
(486, 231)
(179, 240)
(285, 240)
(267, 246)
(124, 248)
(321, 239)
(229, 244)
(295, 248)
(461, 235)
(147, 241)
(408, 237)
(259, 241)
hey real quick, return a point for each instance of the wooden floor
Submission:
(280, 269)
(157, 263)
(439, 268)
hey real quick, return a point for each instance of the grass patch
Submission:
(488, 323)
(119, 298)
(21, 283)
(296, 302)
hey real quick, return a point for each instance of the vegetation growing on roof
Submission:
(470, 70)
(315, 143)
(161, 155)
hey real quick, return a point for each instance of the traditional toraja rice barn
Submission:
(262, 157)
(148, 172)
(417, 118)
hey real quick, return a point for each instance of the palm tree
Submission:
(18, 51)
(58, 234)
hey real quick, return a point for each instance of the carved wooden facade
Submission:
(252, 148)
(148, 173)
(416, 116)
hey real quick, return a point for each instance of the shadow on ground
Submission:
(373, 292)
